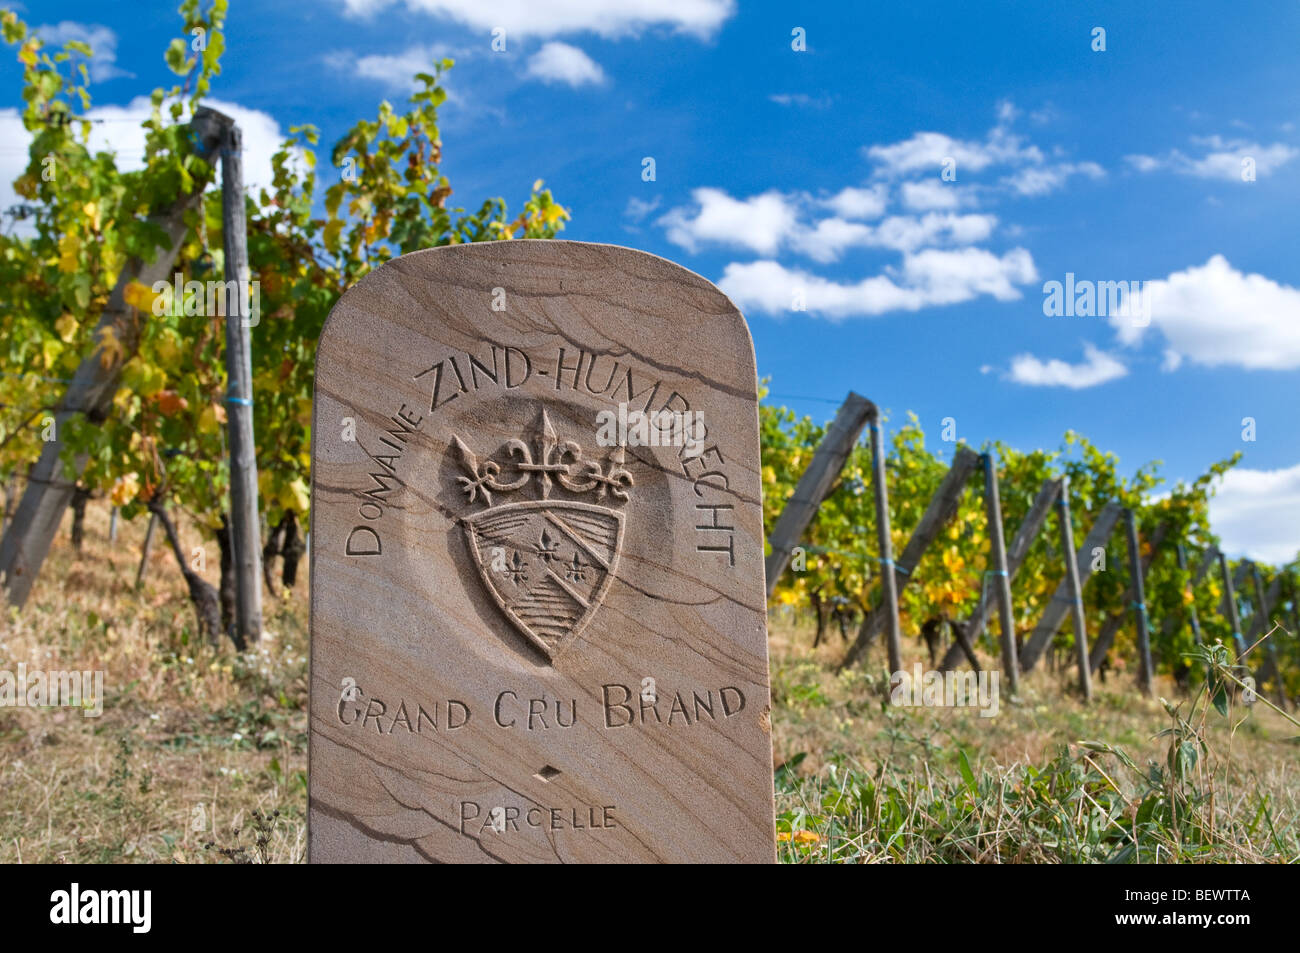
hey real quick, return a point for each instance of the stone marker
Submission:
(538, 627)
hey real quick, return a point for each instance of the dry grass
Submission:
(191, 735)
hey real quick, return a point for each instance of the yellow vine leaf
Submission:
(66, 325)
(69, 252)
(212, 419)
(110, 348)
(139, 296)
(125, 489)
(295, 497)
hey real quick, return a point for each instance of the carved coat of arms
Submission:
(547, 563)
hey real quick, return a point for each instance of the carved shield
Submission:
(547, 564)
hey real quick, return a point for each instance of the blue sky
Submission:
(818, 172)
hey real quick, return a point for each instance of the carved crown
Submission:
(548, 462)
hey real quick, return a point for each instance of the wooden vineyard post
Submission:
(1259, 628)
(1062, 602)
(938, 512)
(1101, 645)
(1001, 579)
(1138, 591)
(1025, 536)
(887, 579)
(1075, 588)
(1230, 608)
(815, 483)
(244, 523)
(144, 552)
(112, 525)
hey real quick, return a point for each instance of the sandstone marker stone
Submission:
(538, 627)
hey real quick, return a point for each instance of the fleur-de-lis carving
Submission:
(576, 571)
(517, 569)
(549, 459)
(548, 547)
(591, 476)
(482, 478)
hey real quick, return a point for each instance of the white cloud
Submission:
(395, 70)
(1143, 163)
(545, 18)
(1032, 173)
(859, 203)
(1215, 315)
(761, 223)
(929, 279)
(800, 99)
(927, 151)
(1256, 513)
(774, 221)
(1097, 367)
(637, 209)
(103, 41)
(1040, 180)
(1222, 159)
(13, 160)
(907, 232)
(956, 275)
(559, 62)
(940, 261)
(933, 194)
(830, 238)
